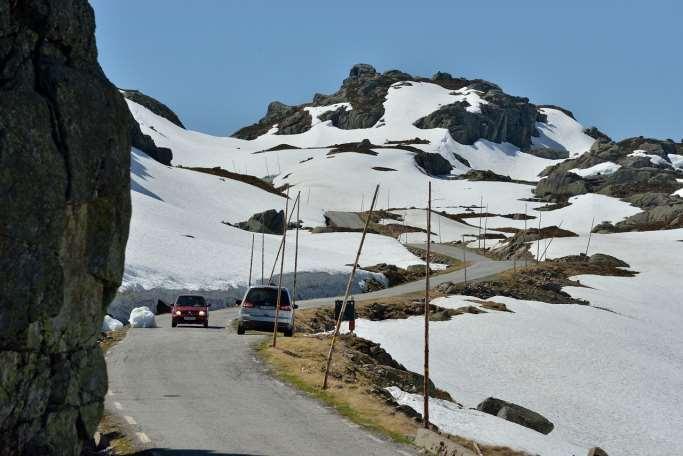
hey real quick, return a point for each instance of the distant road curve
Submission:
(480, 267)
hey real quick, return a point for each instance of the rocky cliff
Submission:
(65, 205)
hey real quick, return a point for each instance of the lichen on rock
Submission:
(65, 185)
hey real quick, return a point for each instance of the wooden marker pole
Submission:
(348, 289)
(425, 386)
(282, 265)
(296, 251)
(538, 242)
(289, 219)
(464, 257)
(590, 234)
(263, 253)
(481, 209)
(486, 224)
(526, 257)
(251, 260)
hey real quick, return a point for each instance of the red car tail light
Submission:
(247, 304)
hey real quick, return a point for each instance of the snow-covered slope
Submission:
(591, 371)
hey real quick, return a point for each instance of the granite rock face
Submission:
(65, 186)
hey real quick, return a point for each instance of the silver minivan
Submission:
(257, 310)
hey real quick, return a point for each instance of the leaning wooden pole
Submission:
(481, 209)
(590, 234)
(538, 242)
(425, 385)
(289, 219)
(526, 253)
(296, 250)
(263, 253)
(251, 260)
(348, 288)
(282, 265)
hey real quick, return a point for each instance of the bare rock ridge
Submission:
(504, 118)
(65, 185)
(153, 105)
(145, 142)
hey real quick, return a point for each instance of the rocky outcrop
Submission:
(595, 133)
(504, 118)
(153, 105)
(269, 222)
(661, 211)
(289, 120)
(433, 164)
(517, 414)
(65, 185)
(145, 143)
(561, 186)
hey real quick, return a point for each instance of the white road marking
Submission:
(404, 453)
(130, 420)
(143, 437)
(372, 437)
(118, 406)
(109, 393)
(352, 425)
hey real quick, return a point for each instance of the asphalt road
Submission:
(480, 268)
(197, 391)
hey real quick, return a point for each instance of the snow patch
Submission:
(142, 317)
(601, 169)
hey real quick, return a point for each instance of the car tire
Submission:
(174, 323)
(240, 329)
(289, 332)
(206, 324)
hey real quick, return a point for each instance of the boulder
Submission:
(433, 164)
(517, 414)
(560, 186)
(65, 186)
(485, 175)
(269, 222)
(597, 451)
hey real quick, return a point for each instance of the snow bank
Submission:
(607, 374)
(601, 169)
(487, 429)
(142, 317)
(111, 324)
(563, 133)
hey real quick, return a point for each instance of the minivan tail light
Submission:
(247, 304)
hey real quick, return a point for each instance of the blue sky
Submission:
(218, 63)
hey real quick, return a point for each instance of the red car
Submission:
(190, 309)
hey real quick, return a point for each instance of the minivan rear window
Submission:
(267, 297)
(192, 301)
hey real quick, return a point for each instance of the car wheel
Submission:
(289, 332)
(240, 329)
(206, 324)
(174, 323)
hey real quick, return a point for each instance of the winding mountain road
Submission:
(197, 391)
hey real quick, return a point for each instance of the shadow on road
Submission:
(168, 452)
(199, 327)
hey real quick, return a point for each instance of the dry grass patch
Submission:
(300, 361)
